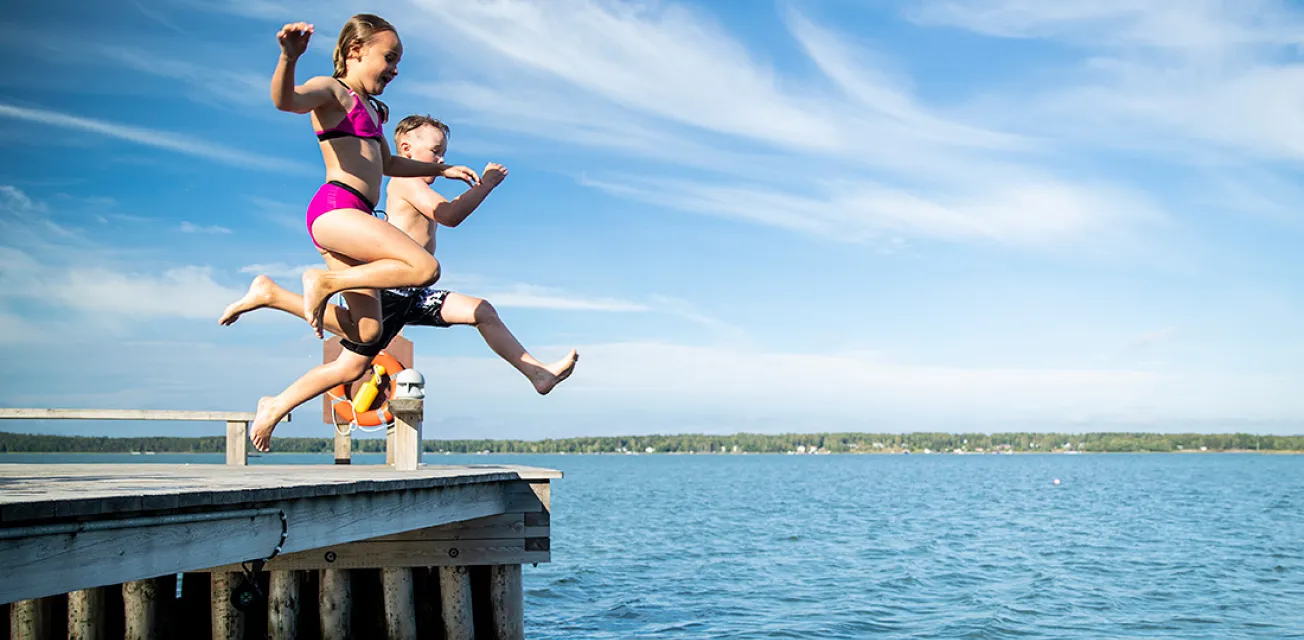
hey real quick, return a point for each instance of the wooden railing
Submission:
(237, 422)
(402, 441)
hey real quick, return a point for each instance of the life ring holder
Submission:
(342, 404)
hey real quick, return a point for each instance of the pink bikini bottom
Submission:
(336, 195)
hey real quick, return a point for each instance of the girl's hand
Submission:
(465, 174)
(294, 39)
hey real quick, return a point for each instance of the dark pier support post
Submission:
(284, 605)
(86, 614)
(400, 607)
(140, 608)
(228, 621)
(507, 599)
(455, 600)
(30, 619)
(335, 604)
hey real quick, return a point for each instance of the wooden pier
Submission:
(402, 550)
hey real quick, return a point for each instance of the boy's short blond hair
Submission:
(413, 122)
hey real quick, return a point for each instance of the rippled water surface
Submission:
(883, 546)
(1175, 546)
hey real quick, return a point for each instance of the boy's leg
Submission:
(264, 293)
(444, 308)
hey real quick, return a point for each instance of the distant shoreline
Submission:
(702, 444)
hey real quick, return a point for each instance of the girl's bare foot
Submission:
(552, 375)
(315, 297)
(260, 432)
(258, 296)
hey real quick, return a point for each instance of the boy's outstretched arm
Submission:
(450, 214)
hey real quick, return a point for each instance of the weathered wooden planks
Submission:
(40, 492)
(429, 553)
(492, 540)
(42, 564)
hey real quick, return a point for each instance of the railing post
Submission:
(343, 446)
(237, 442)
(407, 432)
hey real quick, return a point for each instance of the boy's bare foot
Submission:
(260, 432)
(315, 298)
(553, 374)
(258, 296)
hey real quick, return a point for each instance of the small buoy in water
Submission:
(1056, 481)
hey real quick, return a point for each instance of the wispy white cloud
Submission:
(180, 292)
(158, 16)
(57, 266)
(278, 269)
(190, 227)
(527, 296)
(211, 81)
(668, 82)
(187, 145)
(1190, 81)
(1044, 212)
(1192, 25)
(657, 387)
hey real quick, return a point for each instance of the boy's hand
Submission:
(465, 174)
(294, 39)
(493, 174)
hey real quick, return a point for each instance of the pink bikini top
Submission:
(356, 123)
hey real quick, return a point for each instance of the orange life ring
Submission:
(342, 400)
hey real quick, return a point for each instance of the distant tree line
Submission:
(698, 443)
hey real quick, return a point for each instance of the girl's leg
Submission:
(264, 293)
(359, 322)
(271, 410)
(384, 256)
(460, 309)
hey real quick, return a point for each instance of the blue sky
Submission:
(789, 216)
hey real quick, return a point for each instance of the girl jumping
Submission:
(362, 252)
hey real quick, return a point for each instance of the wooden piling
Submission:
(228, 621)
(30, 619)
(507, 599)
(400, 608)
(334, 601)
(284, 605)
(86, 614)
(407, 433)
(343, 445)
(140, 608)
(237, 442)
(455, 601)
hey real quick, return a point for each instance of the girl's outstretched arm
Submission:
(400, 167)
(315, 92)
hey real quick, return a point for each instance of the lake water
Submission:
(769, 546)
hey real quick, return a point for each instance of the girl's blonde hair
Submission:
(357, 32)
